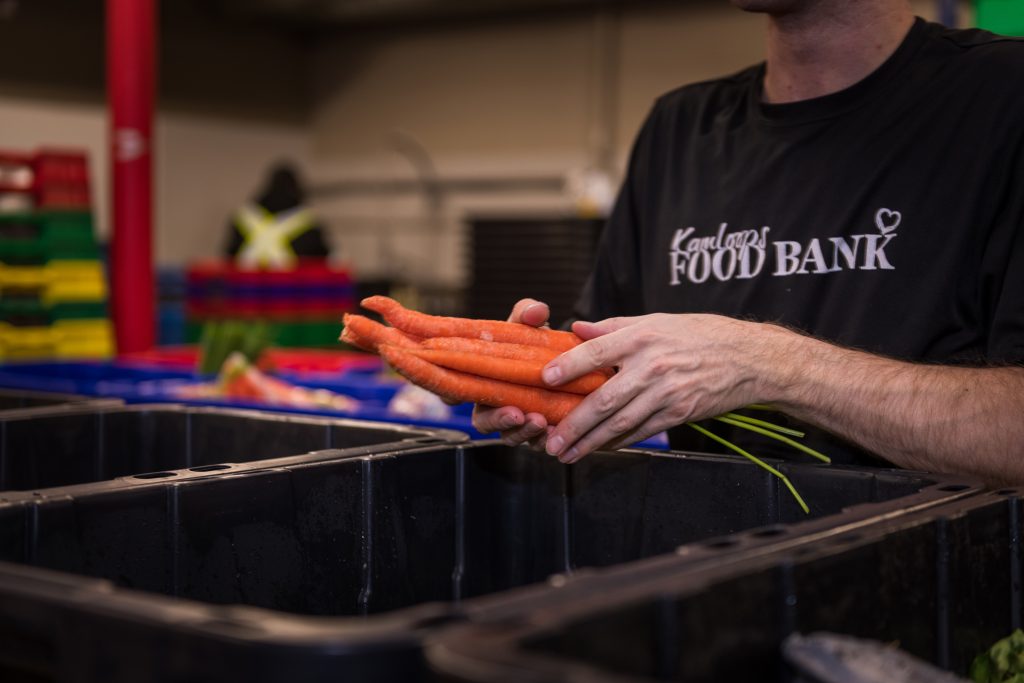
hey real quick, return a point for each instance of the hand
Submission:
(515, 426)
(671, 369)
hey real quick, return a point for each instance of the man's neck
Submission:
(830, 46)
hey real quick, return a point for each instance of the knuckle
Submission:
(596, 353)
(604, 401)
(620, 423)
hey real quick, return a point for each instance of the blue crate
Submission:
(83, 377)
(145, 383)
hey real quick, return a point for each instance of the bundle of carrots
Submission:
(479, 361)
(499, 363)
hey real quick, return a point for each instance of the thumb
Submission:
(587, 330)
(530, 312)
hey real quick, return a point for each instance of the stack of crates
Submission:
(304, 304)
(53, 292)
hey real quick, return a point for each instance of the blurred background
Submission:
(444, 146)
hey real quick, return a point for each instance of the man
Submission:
(838, 233)
(276, 229)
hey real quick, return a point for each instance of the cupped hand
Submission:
(672, 368)
(515, 426)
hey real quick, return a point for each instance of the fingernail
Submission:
(555, 445)
(508, 421)
(551, 374)
(570, 456)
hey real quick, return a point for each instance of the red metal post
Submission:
(131, 44)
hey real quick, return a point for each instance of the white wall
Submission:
(205, 166)
(535, 97)
(541, 96)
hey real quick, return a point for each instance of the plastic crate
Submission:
(56, 282)
(944, 584)
(37, 238)
(339, 568)
(18, 399)
(31, 312)
(45, 449)
(63, 339)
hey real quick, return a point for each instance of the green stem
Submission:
(727, 419)
(757, 461)
(766, 425)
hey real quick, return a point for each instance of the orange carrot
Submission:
(423, 325)
(527, 372)
(491, 348)
(499, 350)
(368, 334)
(460, 386)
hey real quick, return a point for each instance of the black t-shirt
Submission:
(888, 216)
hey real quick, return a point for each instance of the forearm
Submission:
(928, 417)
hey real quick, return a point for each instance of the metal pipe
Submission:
(469, 185)
(131, 37)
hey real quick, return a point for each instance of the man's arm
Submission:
(680, 368)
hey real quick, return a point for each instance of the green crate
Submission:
(31, 312)
(78, 310)
(304, 333)
(308, 333)
(23, 312)
(1001, 16)
(36, 238)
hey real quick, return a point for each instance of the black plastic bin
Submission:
(337, 568)
(18, 399)
(943, 584)
(48, 448)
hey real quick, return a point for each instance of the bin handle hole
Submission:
(769, 532)
(720, 544)
(209, 468)
(954, 487)
(155, 475)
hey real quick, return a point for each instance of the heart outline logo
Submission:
(887, 220)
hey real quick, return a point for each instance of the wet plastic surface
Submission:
(943, 583)
(389, 546)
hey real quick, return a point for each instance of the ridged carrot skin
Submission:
(461, 386)
(369, 334)
(424, 325)
(527, 372)
(491, 348)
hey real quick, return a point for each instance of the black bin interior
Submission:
(943, 587)
(364, 535)
(14, 399)
(60, 449)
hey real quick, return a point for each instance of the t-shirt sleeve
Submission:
(1002, 286)
(615, 285)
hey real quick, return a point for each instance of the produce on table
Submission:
(239, 379)
(1003, 663)
(498, 363)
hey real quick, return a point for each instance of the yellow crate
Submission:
(58, 282)
(63, 339)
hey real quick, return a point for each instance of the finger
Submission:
(530, 312)
(600, 352)
(652, 426)
(588, 330)
(487, 419)
(538, 443)
(622, 426)
(534, 427)
(601, 404)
